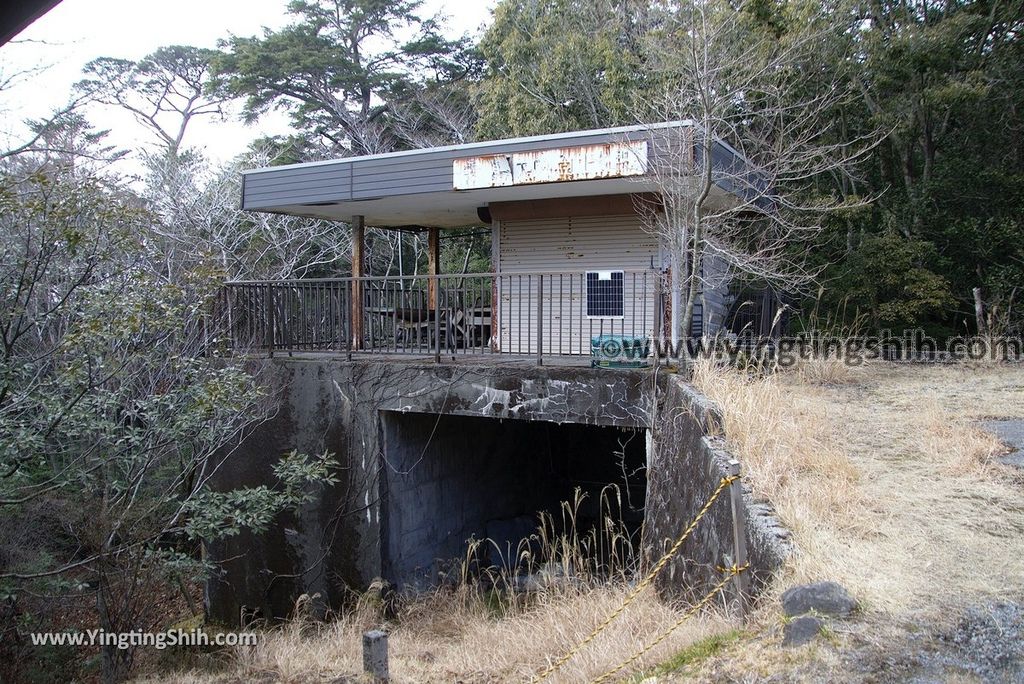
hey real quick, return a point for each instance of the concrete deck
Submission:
(466, 359)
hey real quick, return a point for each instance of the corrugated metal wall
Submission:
(562, 247)
(712, 304)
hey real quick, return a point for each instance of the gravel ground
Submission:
(983, 645)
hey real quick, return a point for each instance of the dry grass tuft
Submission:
(886, 484)
(969, 449)
(456, 636)
(826, 370)
(786, 441)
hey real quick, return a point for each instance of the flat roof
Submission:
(418, 187)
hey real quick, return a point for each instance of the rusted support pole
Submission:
(739, 538)
(433, 265)
(358, 262)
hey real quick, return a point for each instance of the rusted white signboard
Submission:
(586, 162)
(488, 171)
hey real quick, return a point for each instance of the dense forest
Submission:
(112, 417)
(927, 212)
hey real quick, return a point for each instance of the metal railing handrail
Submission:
(536, 313)
(349, 279)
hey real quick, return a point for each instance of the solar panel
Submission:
(604, 293)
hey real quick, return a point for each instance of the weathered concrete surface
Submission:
(339, 543)
(334, 543)
(685, 466)
(452, 478)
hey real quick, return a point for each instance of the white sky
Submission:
(77, 31)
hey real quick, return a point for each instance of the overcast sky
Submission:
(77, 31)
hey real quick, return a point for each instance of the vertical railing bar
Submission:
(633, 293)
(466, 289)
(281, 305)
(394, 304)
(561, 319)
(349, 330)
(437, 319)
(572, 306)
(379, 297)
(549, 309)
(646, 303)
(268, 317)
(582, 312)
(519, 314)
(540, 319)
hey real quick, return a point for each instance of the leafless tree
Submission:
(202, 222)
(429, 118)
(744, 208)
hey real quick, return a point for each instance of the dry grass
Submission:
(829, 370)
(455, 636)
(887, 485)
(474, 634)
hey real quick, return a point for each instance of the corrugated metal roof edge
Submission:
(553, 137)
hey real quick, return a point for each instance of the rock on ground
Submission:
(800, 631)
(824, 598)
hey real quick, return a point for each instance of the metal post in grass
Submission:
(739, 537)
(375, 655)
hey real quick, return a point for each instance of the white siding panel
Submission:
(562, 249)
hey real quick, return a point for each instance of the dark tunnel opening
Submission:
(449, 479)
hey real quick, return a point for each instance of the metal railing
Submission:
(535, 314)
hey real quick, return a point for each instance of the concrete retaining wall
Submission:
(335, 543)
(685, 466)
(339, 543)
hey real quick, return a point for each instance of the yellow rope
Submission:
(733, 571)
(662, 562)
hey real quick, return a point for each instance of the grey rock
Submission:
(800, 631)
(824, 598)
(1011, 433)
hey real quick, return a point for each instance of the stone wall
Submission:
(685, 466)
